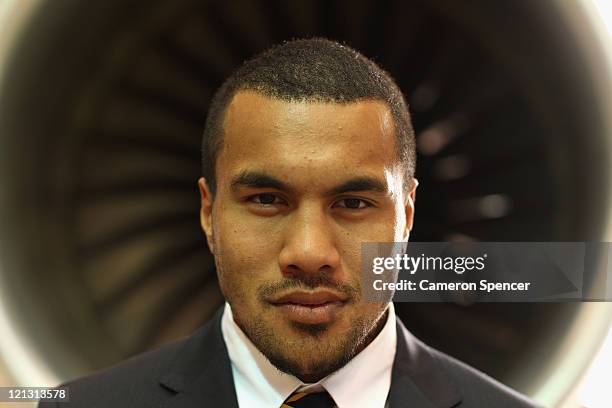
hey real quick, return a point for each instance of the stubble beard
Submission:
(310, 353)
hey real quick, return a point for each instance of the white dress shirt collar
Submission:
(363, 382)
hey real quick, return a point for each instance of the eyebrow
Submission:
(363, 183)
(256, 179)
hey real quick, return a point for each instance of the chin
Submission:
(323, 359)
(327, 347)
(287, 343)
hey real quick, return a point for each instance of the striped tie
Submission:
(309, 400)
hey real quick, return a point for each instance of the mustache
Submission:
(310, 282)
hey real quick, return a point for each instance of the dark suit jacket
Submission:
(195, 372)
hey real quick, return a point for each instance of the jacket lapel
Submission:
(418, 380)
(201, 373)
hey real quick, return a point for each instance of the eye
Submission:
(266, 199)
(353, 203)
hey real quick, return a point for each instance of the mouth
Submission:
(319, 307)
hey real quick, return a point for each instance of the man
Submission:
(308, 152)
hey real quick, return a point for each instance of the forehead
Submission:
(277, 135)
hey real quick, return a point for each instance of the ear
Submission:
(206, 207)
(409, 208)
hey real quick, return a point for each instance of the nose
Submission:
(309, 244)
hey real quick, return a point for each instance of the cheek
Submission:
(350, 254)
(382, 228)
(245, 256)
(244, 244)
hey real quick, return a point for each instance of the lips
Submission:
(319, 307)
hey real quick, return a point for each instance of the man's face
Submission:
(301, 185)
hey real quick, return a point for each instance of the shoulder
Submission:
(149, 378)
(133, 382)
(478, 389)
(447, 380)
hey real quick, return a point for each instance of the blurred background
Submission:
(102, 105)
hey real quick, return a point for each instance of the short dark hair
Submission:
(316, 70)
